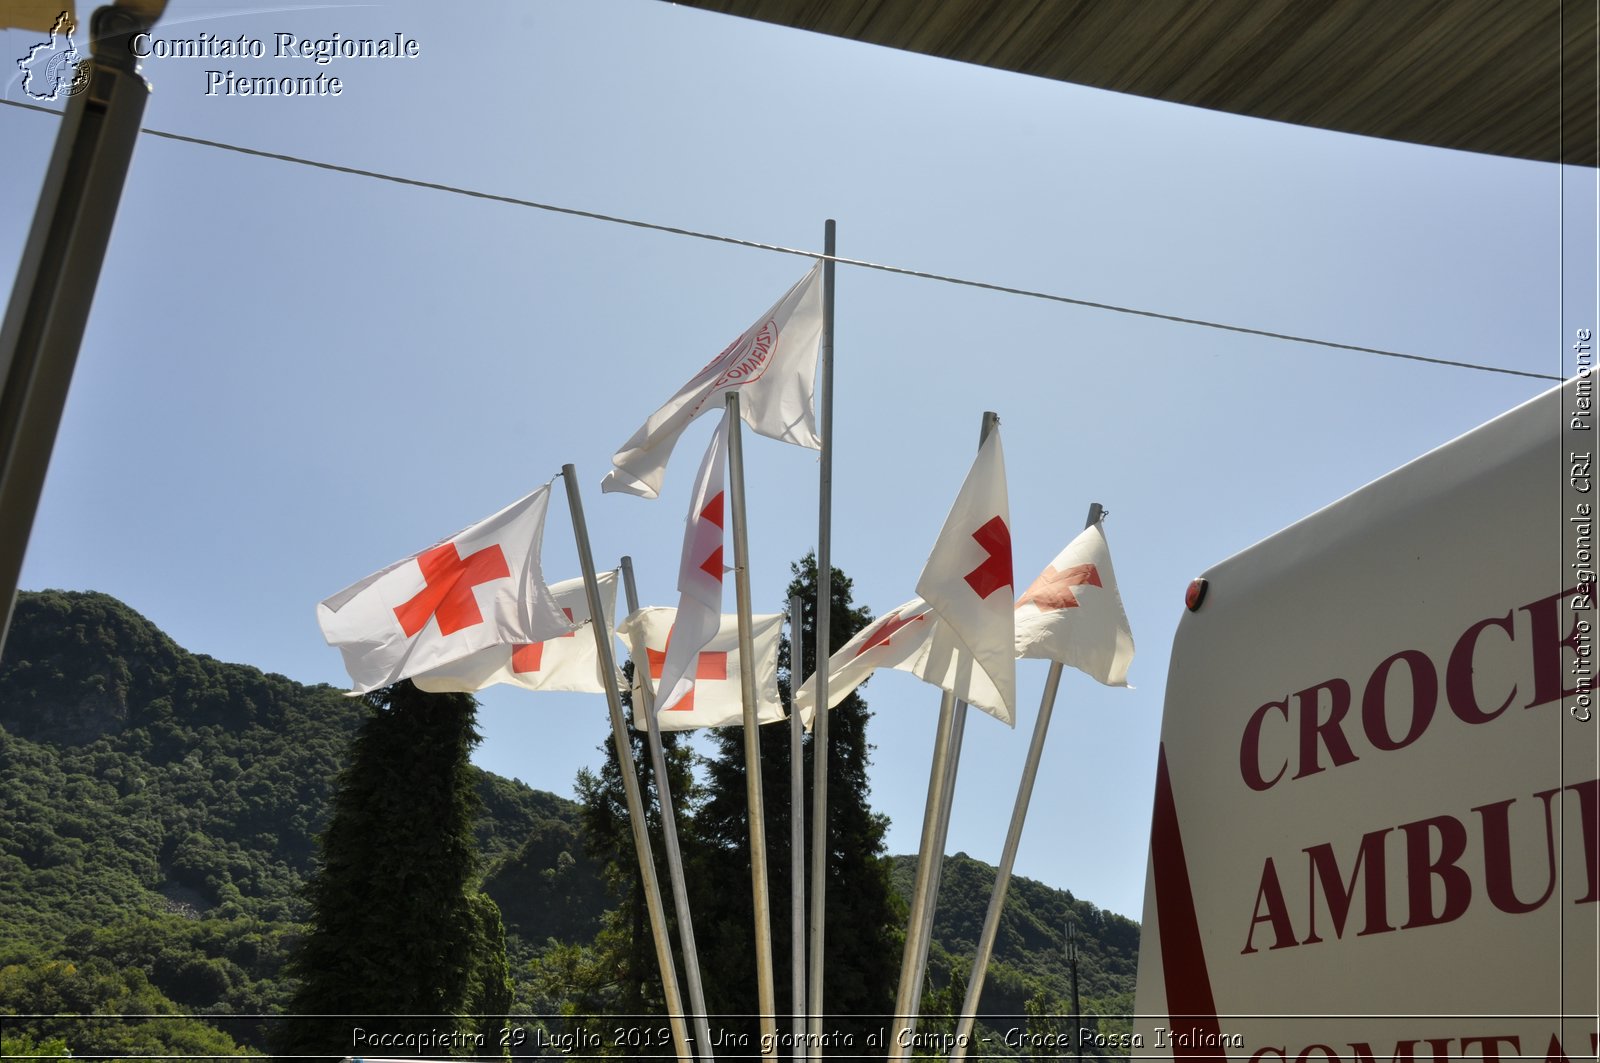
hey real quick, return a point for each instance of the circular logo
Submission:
(66, 77)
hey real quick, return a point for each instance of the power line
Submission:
(801, 252)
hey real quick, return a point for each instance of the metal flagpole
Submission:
(930, 859)
(630, 781)
(947, 786)
(765, 993)
(1008, 857)
(905, 1007)
(824, 647)
(797, 833)
(669, 831)
(60, 266)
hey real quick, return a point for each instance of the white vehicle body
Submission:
(1377, 818)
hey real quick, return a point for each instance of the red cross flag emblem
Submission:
(570, 661)
(716, 699)
(480, 588)
(968, 577)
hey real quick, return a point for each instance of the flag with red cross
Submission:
(566, 662)
(1073, 613)
(480, 588)
(700, 573)
(908, 638)
(968, 582)
(717, 699)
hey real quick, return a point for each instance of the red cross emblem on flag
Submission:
(709, 664)
(447, 595)
(529, 657)
(712, 513)
(995, 571)
(886, 629)
(1053, 590)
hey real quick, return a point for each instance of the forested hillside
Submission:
(159, 812)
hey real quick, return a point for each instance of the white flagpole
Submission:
(824, 640)
(630, 781)
(797, 833)
(1008, 857)
(756, 807)
(930, 859)
(669, 831)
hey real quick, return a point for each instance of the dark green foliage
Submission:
(98, 987)
(551, 887)
(398, 927)
(162, 817)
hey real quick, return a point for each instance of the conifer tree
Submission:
(401, 939)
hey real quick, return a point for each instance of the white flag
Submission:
(717, 699)
(773, 367)
(566, 662)
(909, 638)
(699, 573)
(1073, 614)
(969, 583)
(480, 588)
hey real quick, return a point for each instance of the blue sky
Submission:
(293, 377)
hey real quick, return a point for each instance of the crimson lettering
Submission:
(1325, 869)
(1318, 724)
(1424, 696)
(1327, 733)
(1458, 675)
(1548, 666)
(1250, 748)
(1271, 893)
(1422, 869)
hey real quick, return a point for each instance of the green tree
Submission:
(862, 914)
(402, 942)
(99, 1011)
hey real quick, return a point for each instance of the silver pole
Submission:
(797, 833)
(824, 639)
(930, 864)
(765, 991)
(928, 850)
(630, 781)
(669, 831)
(947, 787)
(1008, 857)
(59, 270)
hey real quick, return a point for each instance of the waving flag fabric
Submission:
(1073, 614)
(566, 662)
(909, 638)
(717, 699)
(480, 588)
(700, 572)
(773, 367)
(968, 581)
